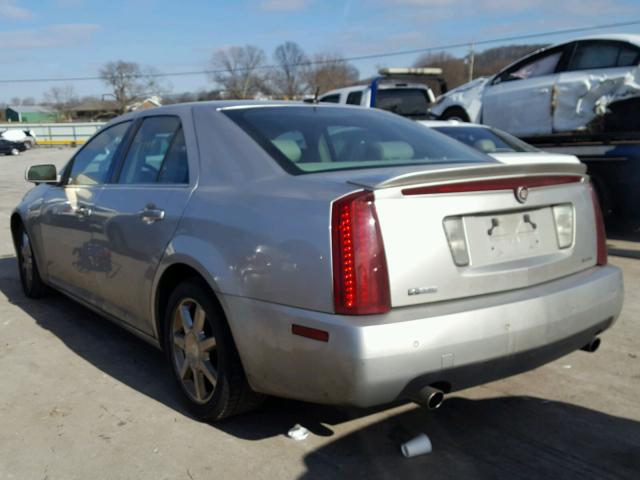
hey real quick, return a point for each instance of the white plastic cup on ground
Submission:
(416, 446)
(298, 432)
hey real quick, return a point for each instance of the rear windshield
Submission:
(408, 102)
(486, 140)
(306, 139)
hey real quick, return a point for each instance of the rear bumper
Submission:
(376, 359)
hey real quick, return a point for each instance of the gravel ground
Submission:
(80, 399)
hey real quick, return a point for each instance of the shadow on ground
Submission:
(507, 437)
(139, 365)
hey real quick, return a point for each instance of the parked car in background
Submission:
(8, 147)
(390, 92)
(591, 85)
(494, 142)
(27, 137)
(324, 253)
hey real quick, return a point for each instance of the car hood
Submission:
(473, 84)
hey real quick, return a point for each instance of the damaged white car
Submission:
(586, 85)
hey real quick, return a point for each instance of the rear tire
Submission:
(455, 113)
(32, 284)
(203, 356)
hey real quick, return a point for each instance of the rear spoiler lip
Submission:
(468, 172)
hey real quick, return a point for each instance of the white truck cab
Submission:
(410, 99)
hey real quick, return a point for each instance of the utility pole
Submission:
(472, 59)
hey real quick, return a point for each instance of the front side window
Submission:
(314, 139)
(592, 55)
(149, 149)
(541, 66)
(92, 165)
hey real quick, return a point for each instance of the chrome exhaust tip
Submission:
(592, 346)
(429, 397)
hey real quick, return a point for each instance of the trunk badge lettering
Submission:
(522, 193)
(421, 290)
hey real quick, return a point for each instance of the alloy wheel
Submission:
(194, 350)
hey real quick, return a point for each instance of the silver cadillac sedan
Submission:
(325, 253)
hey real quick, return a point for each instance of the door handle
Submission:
(151, 214)
(83, 211)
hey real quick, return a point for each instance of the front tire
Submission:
(14, 151)
(455, 113)
(32, 284)
(203, 356)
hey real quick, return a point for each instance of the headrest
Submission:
(395, 150)
(484, 145)
(289, 149)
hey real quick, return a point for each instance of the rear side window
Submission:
(354, 98)
(592, 55)
(152, 156)
(486, 140)
(313, 139)
(175, 168)
(331, 99)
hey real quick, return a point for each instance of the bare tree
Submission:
(328, 71)
(62, 99)
(239, 71)
(288, 79)
(130, 81)
(15, 101)
(454, 70)
(28, 101)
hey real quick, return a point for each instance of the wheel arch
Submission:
(16, 223)
(457, 110)
(168, 279)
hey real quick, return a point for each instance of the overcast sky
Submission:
(71, 38)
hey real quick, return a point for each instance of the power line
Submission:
(347, 59)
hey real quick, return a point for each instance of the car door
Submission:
(139, 211)
(518, 100)
(595, 70)
(67, 224)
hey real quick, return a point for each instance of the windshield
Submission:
(305, 139)
(486, 140)
(410, 102)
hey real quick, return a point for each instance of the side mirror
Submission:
(42, 174)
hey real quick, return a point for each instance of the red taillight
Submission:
(360, 278)
(600, 232)
(495, 184)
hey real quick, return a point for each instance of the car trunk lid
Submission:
(469, 230)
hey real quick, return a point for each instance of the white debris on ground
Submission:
(419, 445)
(298, 432)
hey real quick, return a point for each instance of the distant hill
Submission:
(487, 62)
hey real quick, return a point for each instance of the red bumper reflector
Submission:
(495, 184)
(308, 332)
(602, 258)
